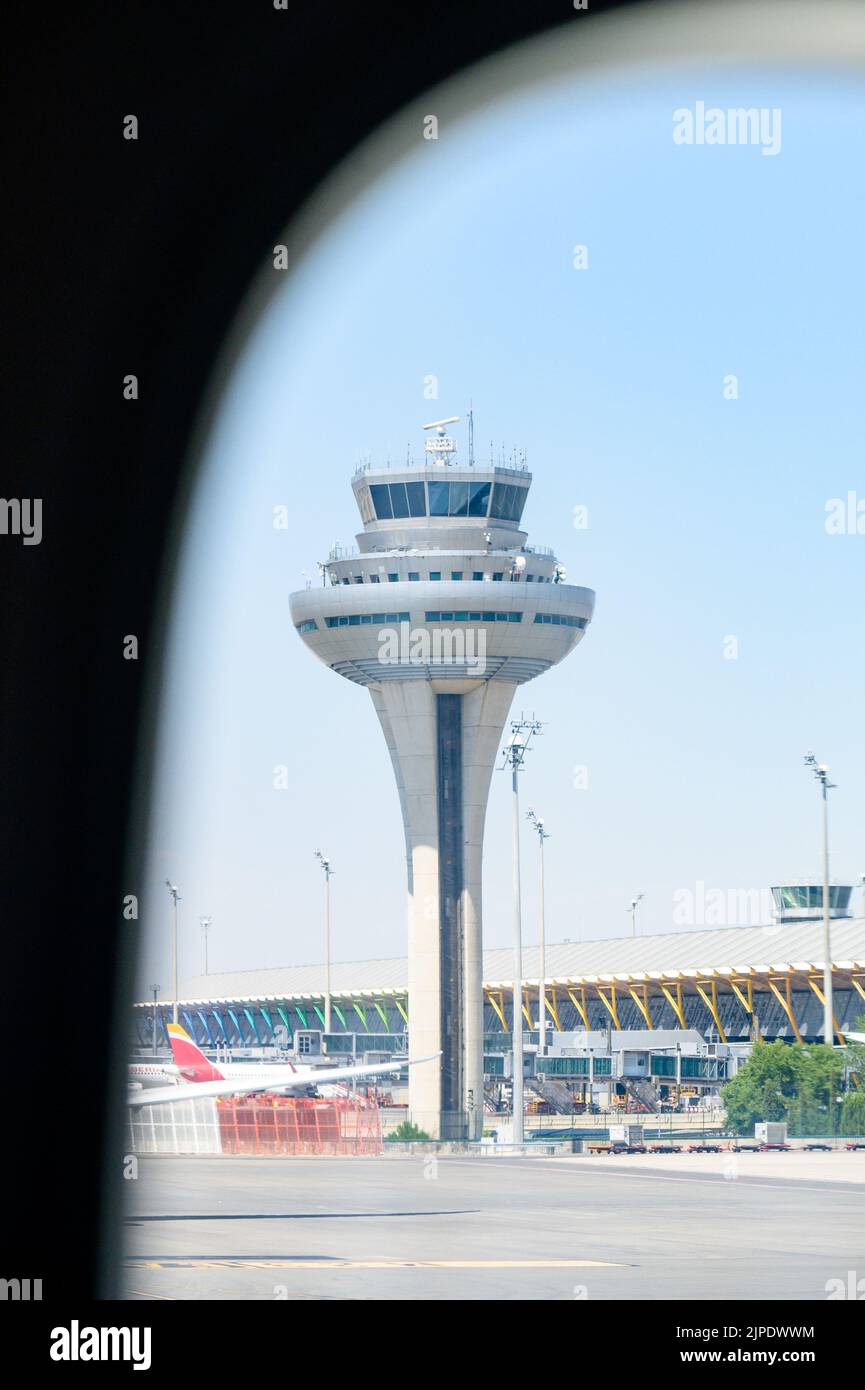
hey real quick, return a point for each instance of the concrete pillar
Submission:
(445, 1004)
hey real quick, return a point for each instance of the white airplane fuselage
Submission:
(272, 1074)
(152, 1073)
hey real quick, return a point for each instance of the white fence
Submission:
(183, 1127)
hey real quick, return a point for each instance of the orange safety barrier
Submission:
(294, 1125)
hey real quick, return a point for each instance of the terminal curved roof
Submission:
(719, 951)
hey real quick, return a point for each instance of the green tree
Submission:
(783, 1081)
(762, 1088)
(855, 1052)
(407, 1133)
(853, 1115)
(853, 1109)
(815, 1109)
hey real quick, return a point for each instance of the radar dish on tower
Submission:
(441, 444)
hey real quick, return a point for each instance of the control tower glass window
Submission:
(381, 501)
(479, 499)
(398, 500)
(459, 500)
(439, 494)
(416, 499)
(508, 502)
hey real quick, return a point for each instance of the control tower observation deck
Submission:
(442, 611)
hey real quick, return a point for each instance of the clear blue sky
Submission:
(706, 517)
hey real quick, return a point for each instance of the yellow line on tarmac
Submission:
(325, 1264)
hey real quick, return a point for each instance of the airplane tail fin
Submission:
(190, 1060)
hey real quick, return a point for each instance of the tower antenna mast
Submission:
(471, 437)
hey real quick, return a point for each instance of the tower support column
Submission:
(443, 747)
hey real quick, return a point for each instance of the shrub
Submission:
(407, 1133)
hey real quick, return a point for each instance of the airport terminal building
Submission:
(442, 612)
(682, 995)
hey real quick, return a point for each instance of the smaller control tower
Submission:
(803, 902)
(442, 611)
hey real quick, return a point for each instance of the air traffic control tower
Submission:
(442, 611)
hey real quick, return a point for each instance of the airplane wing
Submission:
(203, 1090)
(854, 1037)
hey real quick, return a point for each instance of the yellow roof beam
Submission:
(786, 1005)
(553, 1007)
(747, 1003)
(819, 993)
(609, 1004)
(711, 1005)
(580, 1007)
(642, 1004)
(497, 1005)
(675, 1004)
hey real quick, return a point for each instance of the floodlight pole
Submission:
(175, 898)
(206, 923)
(821, 772)
(522, 730)
(633, 911)
(328, 870)
(542, 963)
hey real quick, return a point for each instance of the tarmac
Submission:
(643, 1227)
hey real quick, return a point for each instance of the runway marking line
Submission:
(240, 1263)
(746, 1181)
(162, 1297)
